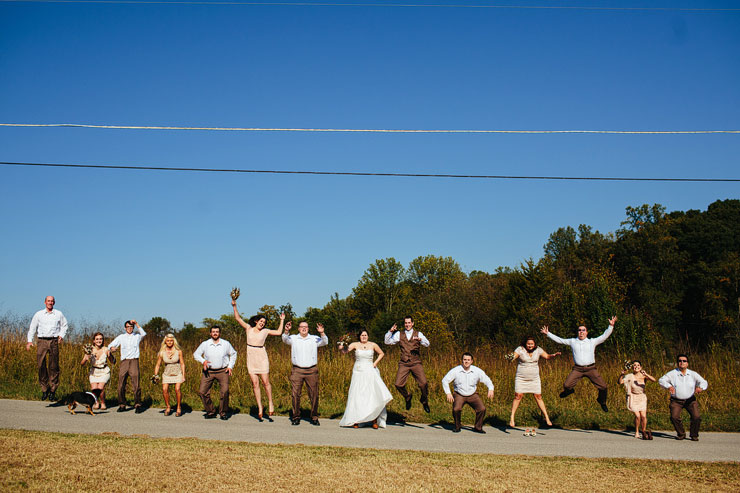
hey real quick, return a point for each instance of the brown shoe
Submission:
(375, 425)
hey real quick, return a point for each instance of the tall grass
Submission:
(720, 366)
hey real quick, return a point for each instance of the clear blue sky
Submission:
(112, 245)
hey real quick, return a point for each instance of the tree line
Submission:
(672, 278)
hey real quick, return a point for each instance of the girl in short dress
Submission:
(527, 379)
(634, 385)
(99, 369)
(174, 371)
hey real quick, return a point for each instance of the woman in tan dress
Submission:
(634, 385)
(99, 369)
(527, 379)
(174, 371)
(258, 365)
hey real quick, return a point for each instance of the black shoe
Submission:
(295, 421)
(481, 431)
(565, 393)
(224, 417)
(45, 395)
(52, 396)
(408, 404)
(138, 409)
(603, 407)
(210, 416)
(456, 430)
(426, 407)
(121, 409)
(315, 422)
(679, 437)
(694, 439)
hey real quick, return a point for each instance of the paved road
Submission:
(36, 415)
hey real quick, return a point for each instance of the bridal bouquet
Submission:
(345, 340)
(155, 378)
(88, 348)
(628, 364)
(510, 356)
(235, 294)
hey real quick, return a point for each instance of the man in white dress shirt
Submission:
(410, 341)
(305, 359)
(129, 366)
(465, 380)
(50, 326)
(683, 385)
(584, 360)
(218, 358)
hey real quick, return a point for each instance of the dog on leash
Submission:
(87, 399)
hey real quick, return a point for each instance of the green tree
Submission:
(157, 327)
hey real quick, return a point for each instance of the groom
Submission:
(410, 341)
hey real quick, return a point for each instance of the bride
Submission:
(368, 395)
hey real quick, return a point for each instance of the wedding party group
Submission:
(368, 395)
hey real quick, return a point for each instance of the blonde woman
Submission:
(258, 365)
(174, 371)
(99, 369)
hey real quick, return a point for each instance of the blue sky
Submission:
(112, 244)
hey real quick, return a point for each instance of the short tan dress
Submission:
(172, 371)
(636, 397)
(527, 379)
(257, 361)
(99, 369)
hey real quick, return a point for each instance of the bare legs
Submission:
(640, 423)
(101, 401)
(540, 403)
(178, 395)
(265, 377)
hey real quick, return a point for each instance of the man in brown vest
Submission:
(410, 341)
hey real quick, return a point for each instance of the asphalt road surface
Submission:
(42, 416)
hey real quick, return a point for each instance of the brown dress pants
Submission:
(690, 404)
(473, 401)
(206, 382)
(48, 349)
(418, 372)
(590, 372)
(309, 376)
(129, 368)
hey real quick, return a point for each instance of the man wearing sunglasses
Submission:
(584, 360)
(683, 385)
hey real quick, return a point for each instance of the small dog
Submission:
(87, 399)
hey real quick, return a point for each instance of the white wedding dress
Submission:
(368, 395)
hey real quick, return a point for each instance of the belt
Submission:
(48, 338)
(693, 397)
(254, 346)
(304, 367)
(592, 365)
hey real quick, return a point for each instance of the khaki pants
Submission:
(473, 401)
(309, 376)
(206, 382)
(48, 349)
(418, 372)
(690, 404)
(129, 368)
(590, 372)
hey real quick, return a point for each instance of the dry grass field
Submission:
(38, 461)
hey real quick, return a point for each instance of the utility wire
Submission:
(367, 130)
(359, 173)
(406, 5)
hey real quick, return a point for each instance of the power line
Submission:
(404, 5)
(368, 130)
(364, 173)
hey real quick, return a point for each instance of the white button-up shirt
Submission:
(465, 382)
(584, 351)
(220, 354)
(394, 337)
(684, 385)
(129, 343)
(304, 350)
(48, 324)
